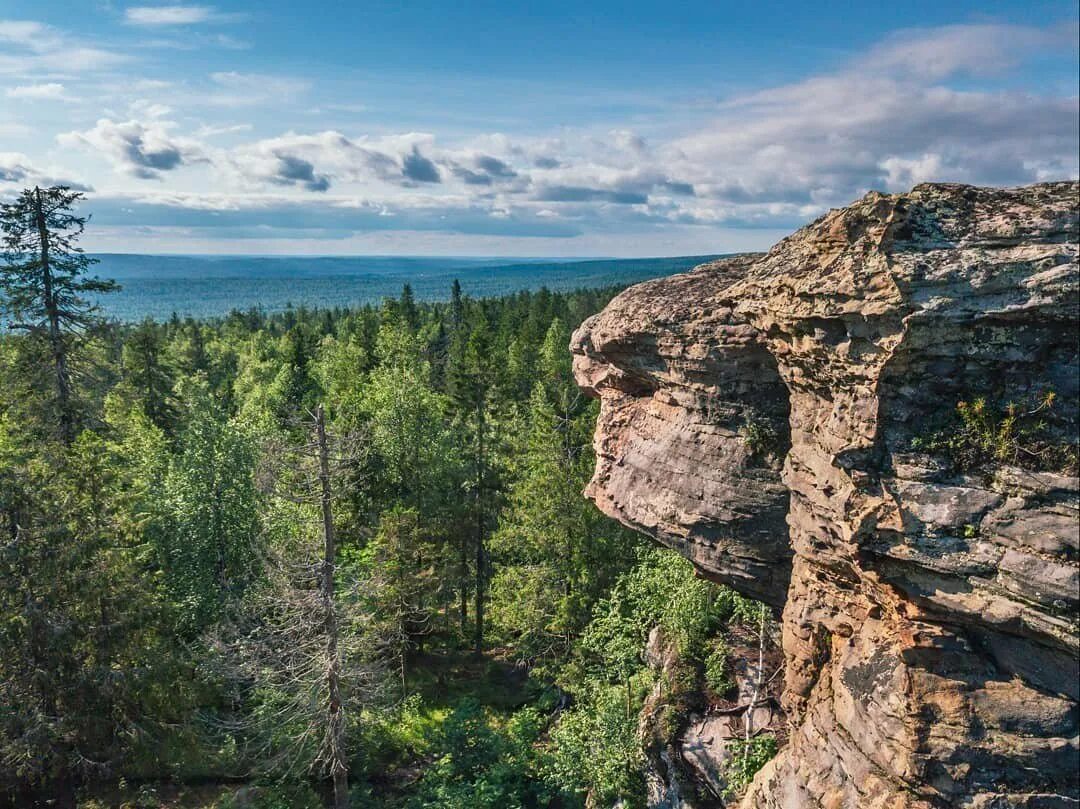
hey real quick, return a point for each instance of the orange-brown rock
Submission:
(768, 416)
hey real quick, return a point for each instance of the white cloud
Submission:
(14, 167)
(312, 162)
(17, 171)
(890, 119)
(978, 49)
(144, 108)
(172, 15)
(53, 91)
(38, 48)
(211, 131)
(140, 149)
(911, 109)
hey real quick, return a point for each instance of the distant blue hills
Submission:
(212, 286)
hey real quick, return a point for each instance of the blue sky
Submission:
(496, 128)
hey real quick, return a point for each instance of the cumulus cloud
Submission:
(419, 169)
(394, 162)
(140, 149)
(310, 161)
(14, 167)
(287, 169)
(18, 171)
(893, 117)
(483, 169)
(494, 167)
(916, 107)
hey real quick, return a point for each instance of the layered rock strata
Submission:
(873, 428)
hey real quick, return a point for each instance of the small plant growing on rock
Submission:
(982, 436)
(759, 436)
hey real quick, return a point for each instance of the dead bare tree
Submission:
(335, 752)
(305, 641)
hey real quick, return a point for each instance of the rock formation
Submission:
(873, 427)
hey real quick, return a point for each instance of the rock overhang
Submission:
(758, 414)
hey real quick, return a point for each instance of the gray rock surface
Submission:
(763, 415)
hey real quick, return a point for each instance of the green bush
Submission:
(596, 751)
(481, 764)
(759, 435)
(717, 676)
(747, 757)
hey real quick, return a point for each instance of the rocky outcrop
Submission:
(873, 427)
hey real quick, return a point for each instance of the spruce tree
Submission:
(410, 315)
(147, 371)
(43, 282)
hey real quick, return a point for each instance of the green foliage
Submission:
(88, 663)
(717, 673)
(480, 759)
(556, 555)
(596, 751)
(204, 518)
(281, 795)
(661, 590)
(759, 435)
(43, 289)
(747, 757)
(982, 435)
(160, 613)
(148, 375)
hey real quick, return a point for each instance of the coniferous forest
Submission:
(317, 557)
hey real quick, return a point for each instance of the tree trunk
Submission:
(463, 588)
(748, 716)
(481, 559)
(339, 768)
(56, 337)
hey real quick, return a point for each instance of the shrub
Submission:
(759, 436)
(716, 667)
(596, 751)
(747, 757)
(482, 764)
(981, 436)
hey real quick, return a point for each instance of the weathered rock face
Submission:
(769, 416)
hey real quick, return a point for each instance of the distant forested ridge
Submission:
(316, 557)
(212, 286)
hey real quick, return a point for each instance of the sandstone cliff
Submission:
(873, 427)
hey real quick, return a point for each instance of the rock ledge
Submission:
(793, 423)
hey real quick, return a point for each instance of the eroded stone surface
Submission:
(929, 617)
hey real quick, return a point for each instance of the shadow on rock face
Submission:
(693, 427)
(788, 422)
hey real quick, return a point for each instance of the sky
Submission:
(556, 128)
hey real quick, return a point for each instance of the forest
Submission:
(320, 557)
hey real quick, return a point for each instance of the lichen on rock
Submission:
(780, 420)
